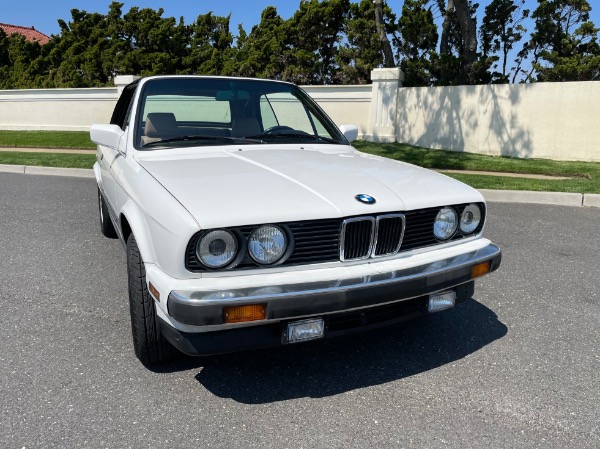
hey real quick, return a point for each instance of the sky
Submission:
(43, 14)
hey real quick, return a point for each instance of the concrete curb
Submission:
(12, 168)
(52, 171)
(499, 196)
(522, 196)
(591, 200)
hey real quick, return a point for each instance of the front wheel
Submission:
(148, 343)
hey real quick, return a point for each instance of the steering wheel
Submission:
(277, 129)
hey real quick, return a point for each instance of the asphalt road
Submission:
(517, 367)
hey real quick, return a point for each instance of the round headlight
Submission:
(217, 248)
(445, 223)
(470, 218)
(267, 244)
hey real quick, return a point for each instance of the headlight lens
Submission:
(470, 218)
(445, 223)
(267, 244)
(217, 248)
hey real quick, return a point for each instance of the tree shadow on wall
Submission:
(331, 367)
(512, 135)
(452, 118)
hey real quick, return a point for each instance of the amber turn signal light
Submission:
(154, 291)
(481, 269)
(240, 314)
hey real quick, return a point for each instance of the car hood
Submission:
(253, 185)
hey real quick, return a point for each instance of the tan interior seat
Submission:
(159, 125)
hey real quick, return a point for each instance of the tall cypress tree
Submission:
(501, 29)
(564, 43)
(416, 43)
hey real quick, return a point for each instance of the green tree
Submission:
(211, 46)
(564, 43)
(362, 49)
(501, 29)
(5, 62)
(157, 43)
(314, 33)
(448, 65)
(262, 52)
(75, 56)
(380, 25)
(416, 43)
(459, 61)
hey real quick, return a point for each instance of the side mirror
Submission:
(106, 135)
(349, 131)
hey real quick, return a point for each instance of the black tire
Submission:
(106, 225)
(149, 345)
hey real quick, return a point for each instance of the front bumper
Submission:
(275, 333)
(202, 311)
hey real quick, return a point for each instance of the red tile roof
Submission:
(31, 34)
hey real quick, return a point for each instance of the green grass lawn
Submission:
(577, 185)
(46, 139)
(585, 175)
(48, 159)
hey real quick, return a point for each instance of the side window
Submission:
(123, 107)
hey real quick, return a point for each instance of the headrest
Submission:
(160, 124)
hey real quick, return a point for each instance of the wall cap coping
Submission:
(124, 80)
(387, 74)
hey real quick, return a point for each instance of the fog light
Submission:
(305, 330)
(441, 301)
(240, 314)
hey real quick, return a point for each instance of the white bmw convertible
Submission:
(250, 221)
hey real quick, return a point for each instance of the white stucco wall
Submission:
(77, 109)
(543, 120)
(56, 109)
(345, 105)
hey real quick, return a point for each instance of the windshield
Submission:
(177, 112)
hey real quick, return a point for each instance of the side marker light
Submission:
(481, 269)
(153, 291)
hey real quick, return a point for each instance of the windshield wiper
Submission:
(192, 138)
(297, 135)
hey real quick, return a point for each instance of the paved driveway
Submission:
(519, 367)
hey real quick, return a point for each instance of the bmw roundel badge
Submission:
(364, 198)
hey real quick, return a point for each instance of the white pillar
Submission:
(384, 102)
(123, 80)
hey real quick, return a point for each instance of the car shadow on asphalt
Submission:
(330, 367)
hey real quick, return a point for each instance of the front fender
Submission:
(133, 216)
(161, 225)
